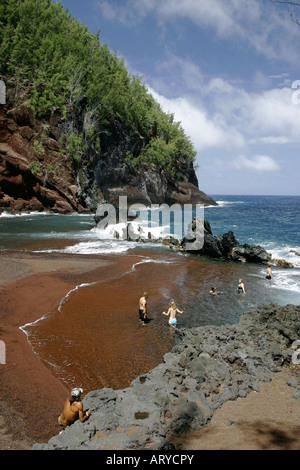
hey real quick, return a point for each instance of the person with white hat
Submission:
(73, 409)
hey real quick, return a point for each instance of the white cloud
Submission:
(273, 114)
(266, 117)
(260, 163)
(264, 26)
(224, 116)
(204, 132)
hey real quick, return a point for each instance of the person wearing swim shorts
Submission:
(143, 308)
(172, 312)
(269, 272)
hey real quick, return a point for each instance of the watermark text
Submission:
(296, 354)
(296, 93)
(155, 222)
(2, 353)
(2, 92)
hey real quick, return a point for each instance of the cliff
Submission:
(39, 173)
(77, 128)
(207, 367)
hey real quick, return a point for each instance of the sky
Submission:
(229, 72)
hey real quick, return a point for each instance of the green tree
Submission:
(66, 68)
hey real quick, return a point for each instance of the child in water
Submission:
(172, 312)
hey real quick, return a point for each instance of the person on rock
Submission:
(73, 409)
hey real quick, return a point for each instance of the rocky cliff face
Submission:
(34, 176)
(146, 185)
(37, 173)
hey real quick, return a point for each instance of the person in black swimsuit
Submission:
(241, 287)
(269, 272)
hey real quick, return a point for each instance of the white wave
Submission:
(97, 247)
(79, 286)
(23, 328)
(134, 231)
(289, 281)
(286, 253)
(151, 260)
(9, 215)
(285, 279)
(223, 203)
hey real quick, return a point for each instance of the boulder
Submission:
(222, 246)
(282, 263)
(254, 254)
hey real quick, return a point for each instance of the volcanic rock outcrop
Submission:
(208, 366)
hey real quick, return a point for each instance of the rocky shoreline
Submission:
(200, 240)
(207, 367)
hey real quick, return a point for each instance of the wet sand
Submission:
(31, 396)
(32, 286)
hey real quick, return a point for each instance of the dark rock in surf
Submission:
(222, 246)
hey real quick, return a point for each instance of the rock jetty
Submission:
(222, 246)
(208, 366)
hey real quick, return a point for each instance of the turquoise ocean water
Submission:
(272, 222)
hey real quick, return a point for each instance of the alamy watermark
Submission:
(296, 93)
(152, 223)
(2, 353)
(2, 92)
(296, 354)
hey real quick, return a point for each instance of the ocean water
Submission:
(270, 221)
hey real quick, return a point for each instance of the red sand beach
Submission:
(31, 395)
(33, 285)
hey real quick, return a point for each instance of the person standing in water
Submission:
(143, 308)
(269, 272)
(172, 312)
(241, 287)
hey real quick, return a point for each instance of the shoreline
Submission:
(31, 285)
(246, 367)
(31, 397)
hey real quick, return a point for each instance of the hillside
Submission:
(76, 129)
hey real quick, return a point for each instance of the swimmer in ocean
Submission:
(172, 312)
(241, 287)
(269, 272)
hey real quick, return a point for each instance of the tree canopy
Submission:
(66, 65)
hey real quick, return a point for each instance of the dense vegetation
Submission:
(66, 67)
